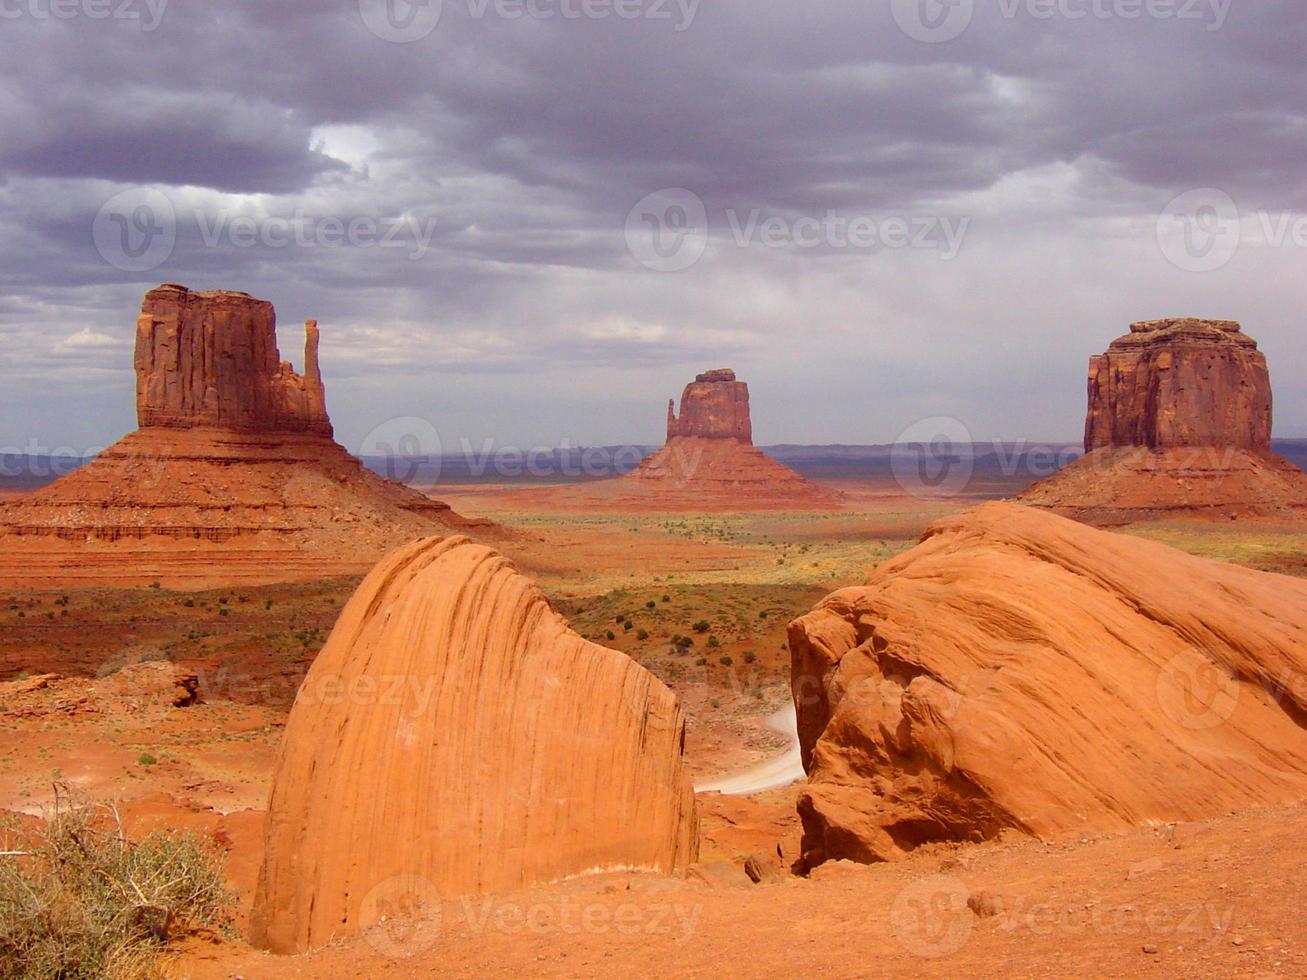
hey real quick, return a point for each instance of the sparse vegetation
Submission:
(78, 901)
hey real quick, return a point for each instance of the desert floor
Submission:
(1215, 899)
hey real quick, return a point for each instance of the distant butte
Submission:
(1179, 424)
(709, 461)
(233, 475)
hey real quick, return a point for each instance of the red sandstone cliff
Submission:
(1179, 425)
(713, 406)
(210, 359)
(1180, 382)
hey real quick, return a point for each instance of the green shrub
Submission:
(642, 634)
(750, 656)
(726, 660)
(78, 901)
(702, 626)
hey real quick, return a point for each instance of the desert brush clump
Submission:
(79, 900)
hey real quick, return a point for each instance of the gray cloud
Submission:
(516, 149)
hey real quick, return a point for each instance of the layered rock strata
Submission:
(1020, 670)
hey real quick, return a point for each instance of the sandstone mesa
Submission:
(1021, 670)
(709, 460)
(233, 474)
(456, 738)
(1179, 424)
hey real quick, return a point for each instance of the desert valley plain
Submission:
(918, 713)
(652, 488)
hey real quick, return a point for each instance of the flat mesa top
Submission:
(721, 374)
(1185, 330)
(1183, 323)
(203, 294)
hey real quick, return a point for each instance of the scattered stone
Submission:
(986, 905)
(763, 868)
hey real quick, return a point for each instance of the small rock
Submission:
(762, 868)
(986, 905)
(1150, 948)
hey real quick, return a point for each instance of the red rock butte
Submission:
(233, 475)
(1179, 424)
(709, 461)
(455, 738)
(1021, 670)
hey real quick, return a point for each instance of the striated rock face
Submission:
(210, 359)
(454, 738)
(713, 406)
(1019, 670)
(1178, 383)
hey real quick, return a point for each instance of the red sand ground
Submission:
(1209, 900)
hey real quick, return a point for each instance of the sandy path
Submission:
(773, 773)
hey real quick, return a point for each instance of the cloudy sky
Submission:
(532, 221)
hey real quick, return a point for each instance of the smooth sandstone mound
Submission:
(233, 475)
(1021, 670)
(455, 731)
(1179, 424)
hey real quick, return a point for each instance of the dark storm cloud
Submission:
(516, 147)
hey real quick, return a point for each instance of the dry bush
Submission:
(79, 900)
